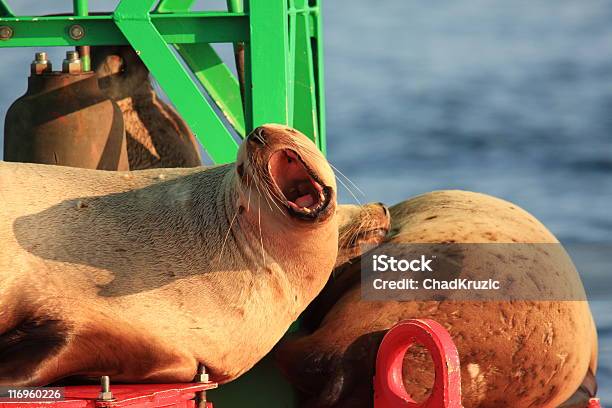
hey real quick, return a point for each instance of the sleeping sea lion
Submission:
(513, 353)
(156, 135)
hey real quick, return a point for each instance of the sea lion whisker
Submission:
(273, 193)
(349, 190)
(263, 252)
(347, 179)
(340, 173)
(270, 194)
(259, 191)
(249, 186)
(227, 234)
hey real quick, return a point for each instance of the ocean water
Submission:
(509, 98)
(512, 99)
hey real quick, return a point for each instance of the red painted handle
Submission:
(389, 390)
(594, 403)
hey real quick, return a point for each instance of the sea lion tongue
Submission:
(302, 192)
(305, 201)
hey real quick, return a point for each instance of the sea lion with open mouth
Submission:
(520, 353)
(144, 275)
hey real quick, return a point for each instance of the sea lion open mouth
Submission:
(302, 191)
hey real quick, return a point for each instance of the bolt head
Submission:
(6, 33)
(76, 32)
(72, 67)
(106, 396)
(38, 67)
(201, 378)
(72, 55)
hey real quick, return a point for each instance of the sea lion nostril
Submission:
(257, 137)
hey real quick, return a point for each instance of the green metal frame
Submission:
(283, 83)
(283, 59)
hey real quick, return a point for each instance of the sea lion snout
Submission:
(120, 71)
(257, 137)
(287, 167)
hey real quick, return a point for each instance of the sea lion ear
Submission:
(114, 64)
(106, 61)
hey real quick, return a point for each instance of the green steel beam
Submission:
(266, 60)
(81, 8)
(305, 115)
(5, 10)
(283, 56)
(217, 79)
(132, 18)
(177, 28)
(172, 6)
(236, 6)
(210, 70)
(291, 63)
(208, 27)
(319, 73)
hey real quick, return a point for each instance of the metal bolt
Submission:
(40, 57)
(40, 64)
(105, 392)
(72, 63)
(76, 32)
(72, 56)
(201, 375)
(6, 33)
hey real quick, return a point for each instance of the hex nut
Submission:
(201, 375)
(40, 64)
(6, 33)
(106, 396)
(201, 378)
(76, 31)
(72, 63)
(38, 68)
(73, 67)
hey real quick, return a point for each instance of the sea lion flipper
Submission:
(25, 348)
(334, 388)
(586, 391)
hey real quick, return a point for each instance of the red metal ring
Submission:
(389, 390)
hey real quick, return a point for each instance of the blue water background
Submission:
(510, 98)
